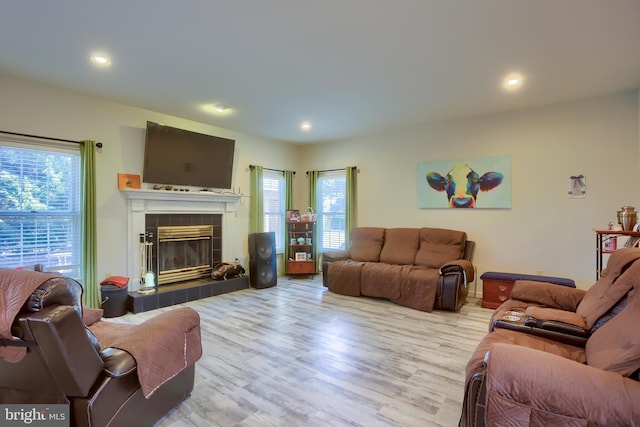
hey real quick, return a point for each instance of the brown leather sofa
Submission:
(421, 268)
(51, 356)
(577, 364)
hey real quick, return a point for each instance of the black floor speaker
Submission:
(262, 260)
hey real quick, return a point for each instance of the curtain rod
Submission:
(98, 144)
(336, 170)
(269, 169)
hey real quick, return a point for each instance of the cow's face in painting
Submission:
(462, 184)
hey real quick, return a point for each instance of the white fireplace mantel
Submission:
(145, 201)
(184, 200)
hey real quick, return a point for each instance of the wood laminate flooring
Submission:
(299, 355)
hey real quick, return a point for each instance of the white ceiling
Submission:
(349, 67)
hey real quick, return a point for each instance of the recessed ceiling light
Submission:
(100, 59)
(513, 81)
(221, 108)
(305, 126)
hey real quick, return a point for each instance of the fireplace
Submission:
(184, 252)
(147, 210)
(185, 246)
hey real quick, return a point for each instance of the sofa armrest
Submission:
(457, 266)
(547, 294)
(329, 257)
(335, 256)
(544, 314)
(452, 289)
(553, 390)
(117, 363)
(162, 346)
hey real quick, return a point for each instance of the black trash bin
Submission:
(114, 300)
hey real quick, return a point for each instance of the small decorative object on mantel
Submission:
(301, 256)
(127, 180)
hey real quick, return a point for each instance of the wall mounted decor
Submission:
(128, 180)
(465, 183)
(577, 186)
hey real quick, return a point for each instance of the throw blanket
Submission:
(16, 286)
(162, 346)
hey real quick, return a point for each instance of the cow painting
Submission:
(462, 184)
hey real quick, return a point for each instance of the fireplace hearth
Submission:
(149, 209)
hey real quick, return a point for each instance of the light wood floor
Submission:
(299, 355)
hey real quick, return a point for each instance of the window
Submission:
(40, 208)
(274, 211)
(331, 203)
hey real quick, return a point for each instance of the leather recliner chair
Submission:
(64, 363)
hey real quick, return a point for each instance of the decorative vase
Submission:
(627, 217)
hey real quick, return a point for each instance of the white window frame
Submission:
(273, 190)
(44, 246)
(331, 215)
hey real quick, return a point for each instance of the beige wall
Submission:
(42, 110)
(543, 231)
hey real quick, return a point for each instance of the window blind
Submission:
(273, 192)
(331, 203)
(40, 209)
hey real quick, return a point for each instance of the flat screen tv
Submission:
(180, 157)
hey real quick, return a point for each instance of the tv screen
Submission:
(180, 157)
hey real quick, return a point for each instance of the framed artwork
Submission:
(301, 256)
(293, 215)
(577, 187)
(465, 183)
(127, 180)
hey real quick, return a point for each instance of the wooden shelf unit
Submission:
(305, 231)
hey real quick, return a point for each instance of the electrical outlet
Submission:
(539, 272)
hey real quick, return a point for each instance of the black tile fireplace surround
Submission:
(191, 290)
(153, 221)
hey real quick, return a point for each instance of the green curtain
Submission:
(313, 183)
(350, 202)
(288, 205)
(88, 233)
(256, 213)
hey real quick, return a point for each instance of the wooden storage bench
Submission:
(496, 286)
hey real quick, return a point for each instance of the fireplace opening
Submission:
(184, 252)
